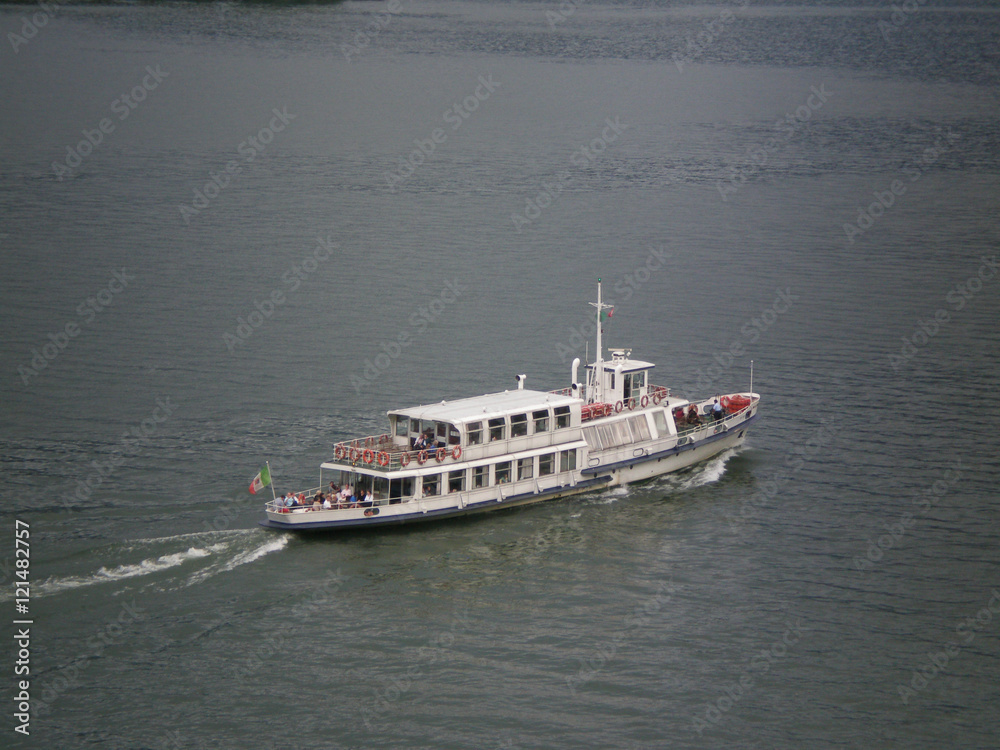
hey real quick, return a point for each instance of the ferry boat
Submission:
(521, 446)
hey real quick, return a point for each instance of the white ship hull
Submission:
(518, 447)
(637, 463)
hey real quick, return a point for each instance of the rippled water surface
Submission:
(278, 194)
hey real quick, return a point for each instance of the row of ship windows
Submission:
(623, 432)
(518, 425)
(479, 477)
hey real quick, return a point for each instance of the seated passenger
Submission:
(317, 503)
(327, 505)
(420, 443)
(369, 499)
(692, 416)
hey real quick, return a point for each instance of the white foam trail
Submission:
(708, 472)
(248, 556)
(103, 575)
(611, 495)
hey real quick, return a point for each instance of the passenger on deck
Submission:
(717, 411)
(692, 417)
(317, 501)
(420, 443)
(369, 499)
(327, 505)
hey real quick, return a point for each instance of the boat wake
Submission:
(196, 557)
(698, 476)
(709, 472)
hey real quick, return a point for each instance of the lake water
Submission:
(219, 221)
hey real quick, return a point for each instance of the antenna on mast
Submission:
(599, 361)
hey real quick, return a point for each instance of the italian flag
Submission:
(260, 481)
(605, 314)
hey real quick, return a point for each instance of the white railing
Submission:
(709, 422)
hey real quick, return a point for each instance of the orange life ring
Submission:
(644, 402)
(441, 453)
(657, 398)
(422, 457)
(383, 439)
(369, 455)
(456, 452)
(404, 460)
(631, 404)
(355, 455)
(383, 458)
(618, 407)
(340, 452)
(369, 441)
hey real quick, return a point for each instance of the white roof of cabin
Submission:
(627, 365)
(491, 405)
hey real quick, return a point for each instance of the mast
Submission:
(599, 362)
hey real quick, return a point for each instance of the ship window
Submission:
(546, 464)
(400, 490)
(442, 429)
(562, 417)
(640, 428)
(474, 430)
(592, 438)
(480, 476)
(415, 426)
(502, 473)
(456, 481)
(541, 420)
(607, 435)
(525, 468)
(498, 428)
(518, 425)
(661, 422)
(567, 460)
(454, 436)
(402, 426)
(432, 484)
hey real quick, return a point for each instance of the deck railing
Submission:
(275, 506)
(380, 453)
(709, 423)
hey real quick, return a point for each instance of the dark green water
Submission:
(803, 186)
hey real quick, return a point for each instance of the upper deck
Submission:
(477, 408)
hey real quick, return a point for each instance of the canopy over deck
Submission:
(477, 408)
